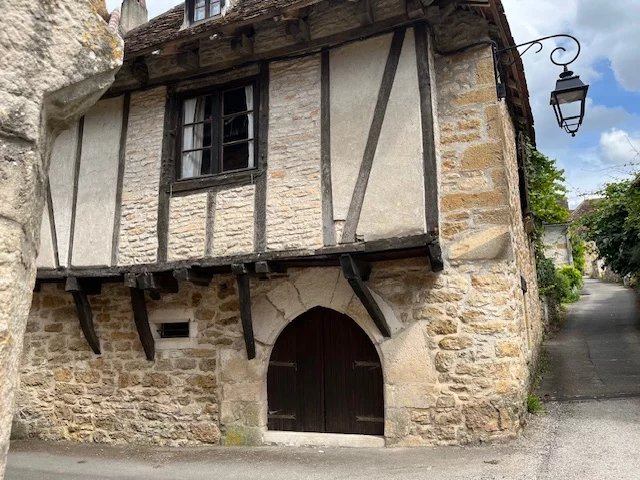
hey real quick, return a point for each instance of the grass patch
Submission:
(534, 404)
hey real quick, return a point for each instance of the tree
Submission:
(614, 226)
(546, 188)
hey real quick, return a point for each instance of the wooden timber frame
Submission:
(355, 261)
(80, 290)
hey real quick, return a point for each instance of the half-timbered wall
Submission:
(344, 163)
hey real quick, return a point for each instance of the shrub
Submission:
(570, 279)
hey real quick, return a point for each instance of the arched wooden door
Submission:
(325, 376)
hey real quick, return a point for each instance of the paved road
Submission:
(597, 354)
(592, 440)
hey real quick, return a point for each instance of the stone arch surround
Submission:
(409, 375)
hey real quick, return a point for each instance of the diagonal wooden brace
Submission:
(356, 274)
(85, 315)
(244, 293)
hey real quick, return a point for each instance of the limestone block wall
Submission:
(294, 200)
(138, 240)
(494, 328)
(446, 369)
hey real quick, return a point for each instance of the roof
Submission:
(586, 207)
(168, 26)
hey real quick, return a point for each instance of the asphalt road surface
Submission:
(597, 354)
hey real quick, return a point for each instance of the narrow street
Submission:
(597, 354)
(590, 430)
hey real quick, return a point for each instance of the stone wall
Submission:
(294, 201)
(57, 60)
(447, 370)
(138, 241)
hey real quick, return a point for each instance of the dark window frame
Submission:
(179, 184)
(191, 11)
(175, 330)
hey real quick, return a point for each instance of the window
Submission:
(218, 132)
(201, 9)
(174, 330)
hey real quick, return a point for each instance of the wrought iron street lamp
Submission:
(570, 96)
(568, 101)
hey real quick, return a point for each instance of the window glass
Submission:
(214, 8)
(238, 100)
(199, 10)
(237, 156)
(237, 128)
(217, 133)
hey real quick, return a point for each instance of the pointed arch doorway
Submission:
(325, 376)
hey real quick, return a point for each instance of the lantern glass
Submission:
(568, 101)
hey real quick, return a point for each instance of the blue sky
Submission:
(606, 147)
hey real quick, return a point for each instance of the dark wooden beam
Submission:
(85, 315)
(74, 198)
(260, 197)
(429, 158)
(328, 224)
(141, 319)
(122, 153)
(195, 275)
(244, 294)
(414, 246)
(357, 272)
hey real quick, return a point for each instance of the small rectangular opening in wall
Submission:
(174, 330)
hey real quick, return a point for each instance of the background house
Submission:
(290, 215)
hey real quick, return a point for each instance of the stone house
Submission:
(557, 244)
(290, 216)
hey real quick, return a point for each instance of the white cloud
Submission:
(619, 147)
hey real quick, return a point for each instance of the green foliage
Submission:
(570, 280)
(534, 404)
(614, 226)
(578, 251)
(546, 188)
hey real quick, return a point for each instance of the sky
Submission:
(606, 148)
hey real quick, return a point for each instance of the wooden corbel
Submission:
(299, 30)
(244, 294)
(188, 60)
(434, 252)
(194, 275)
(141, 315)
(357, 273)
(242, 44)
(85, 315)
(140, 70)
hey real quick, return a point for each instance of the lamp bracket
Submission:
(538, 44)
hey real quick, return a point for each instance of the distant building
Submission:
(557, 244)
